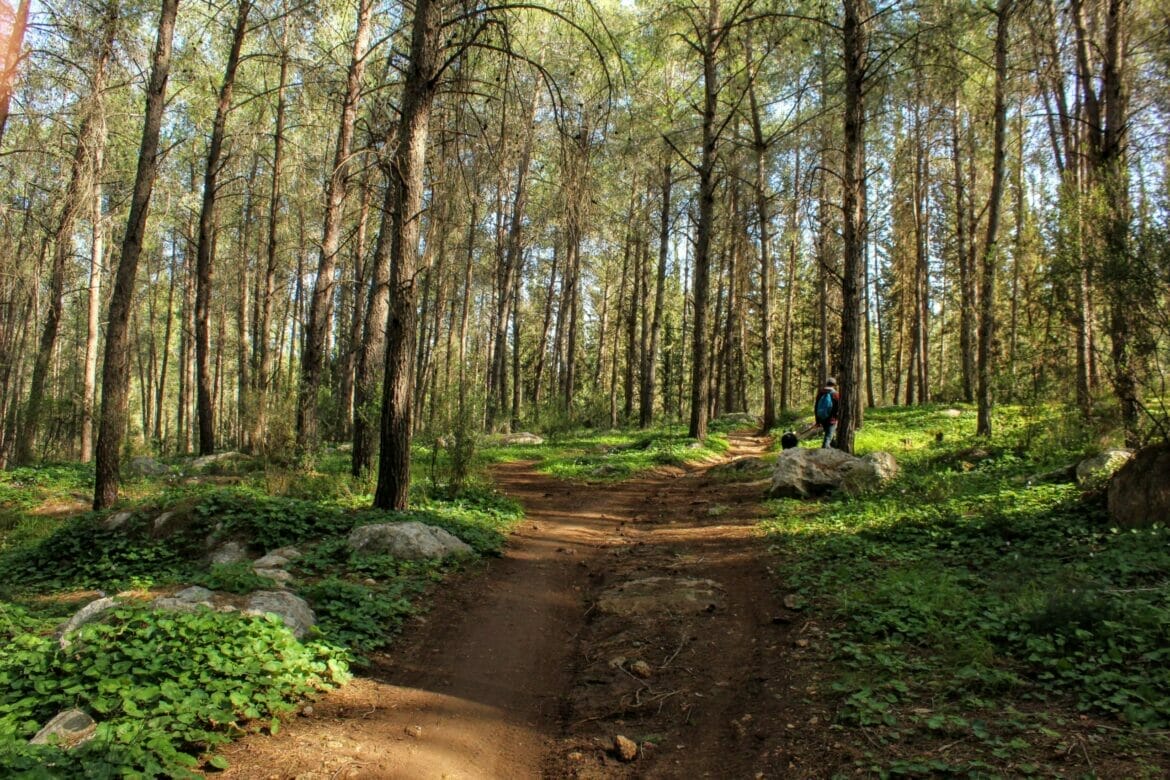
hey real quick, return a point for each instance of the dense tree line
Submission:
(270, 226)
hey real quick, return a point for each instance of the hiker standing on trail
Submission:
(827, 405)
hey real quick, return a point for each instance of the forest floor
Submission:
(643, 609)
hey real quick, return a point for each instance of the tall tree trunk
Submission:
(856, 53)
(763, 220)
(321, 307)
(264, 371)
(354, 339)
(967, 275)
(93, 324)
(404, 204)
(650, 366)
(116, 371)
(700, 348)
(90, 140)
(12, 58)
(509, 269)
(546, 323)
(160, 387)
(991, 244)
(204, 259)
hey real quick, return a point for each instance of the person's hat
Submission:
(831, 382)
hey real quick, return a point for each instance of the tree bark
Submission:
(321, 306)
(404, 203)
(12, 58)
(204, 259)
(856, 52)
(991, 244)
(650, 366)
(699, 365)
(264, 372)
(116, 371)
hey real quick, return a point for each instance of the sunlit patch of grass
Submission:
(966, 579)
(612, 455)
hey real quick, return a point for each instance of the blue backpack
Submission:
(824, 407)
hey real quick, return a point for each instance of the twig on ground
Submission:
(1085, 753)
(674, 655)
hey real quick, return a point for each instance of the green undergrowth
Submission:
(607, 456)
(167, 687)
(973, 601)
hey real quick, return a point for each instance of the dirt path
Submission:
(642, 609)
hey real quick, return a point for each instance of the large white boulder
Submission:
(290, 608)
(1095, 472)
(410, 541)
(803, 473)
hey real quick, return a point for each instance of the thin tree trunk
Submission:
(404, 204)
(650, 366)
(699, 367)
(205, 260)
(93, 324)
(90, 140)
(12, 59)
(264, 373)
(116, 370)
(321, 308)
(856, 53)
(991, 245)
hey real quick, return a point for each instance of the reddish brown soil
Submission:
(515, 672)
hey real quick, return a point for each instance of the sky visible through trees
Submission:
(371, 222)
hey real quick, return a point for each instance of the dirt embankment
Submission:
(642, 609)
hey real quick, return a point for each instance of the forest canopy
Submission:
(270, 226)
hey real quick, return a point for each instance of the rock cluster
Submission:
(804, 473)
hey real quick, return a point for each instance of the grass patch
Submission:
(610, 456)
(167, 687)
(966, 593)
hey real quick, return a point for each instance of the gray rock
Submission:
(270, 561)
(657, 595)
(172, 604)
(952, 413)
(410, 541)
(194, 594)
(203, 461)
(1094, 472)
(189, 599)
(1139, 493)
(229, 553)
(290, 553)
(509, 439)
(147, 467)
(804, 473)
(292, 609)
(67, 729)
(116, 521)
(86, 614)
(279, 576)
(162, 523)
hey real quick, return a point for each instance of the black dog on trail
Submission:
(789, 440)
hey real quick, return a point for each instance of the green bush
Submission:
(164, 688)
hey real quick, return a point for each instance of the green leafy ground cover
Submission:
(971, 603)
(167, 687)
